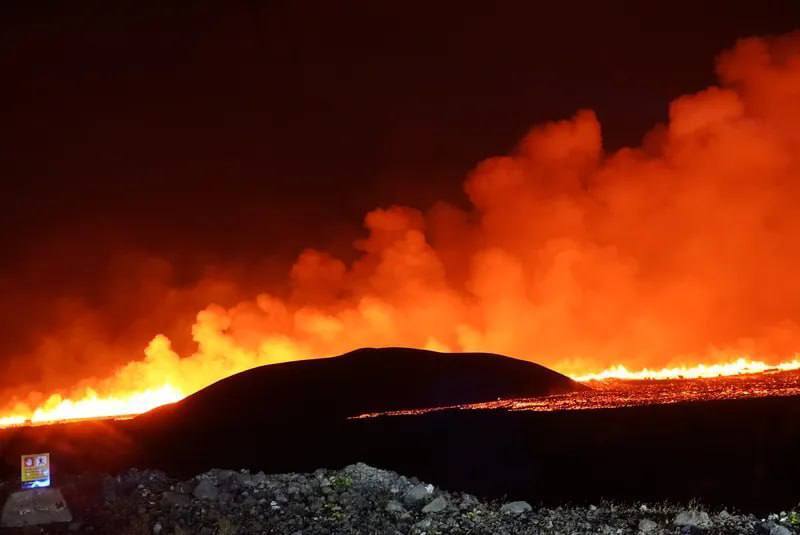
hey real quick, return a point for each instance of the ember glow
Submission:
(617, 393)
(740, 366)
(57, 409)
(671, 259)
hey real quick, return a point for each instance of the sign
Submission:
(35, 470)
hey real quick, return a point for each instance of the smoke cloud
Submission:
(679, 251)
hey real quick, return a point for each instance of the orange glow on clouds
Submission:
(677, 256)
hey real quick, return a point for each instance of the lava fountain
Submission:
(675, 258)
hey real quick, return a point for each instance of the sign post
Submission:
(35, 470)
(37, 504)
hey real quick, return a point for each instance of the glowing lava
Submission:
(91, 405)
(739, 366)
(618, 393)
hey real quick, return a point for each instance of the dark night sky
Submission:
(233, 131)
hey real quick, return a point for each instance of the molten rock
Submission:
(35, 507)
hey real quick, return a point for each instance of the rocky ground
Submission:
(358, 499)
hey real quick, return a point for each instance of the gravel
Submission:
(360, 499)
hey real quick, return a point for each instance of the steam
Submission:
(683, 250)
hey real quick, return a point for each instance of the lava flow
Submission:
(615, 387)
(740, 366)
(616, 393)
(92, 406)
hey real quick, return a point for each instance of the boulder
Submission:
(516, 508)
(437, 505)
(206, 490)
(693, 519)
(468, 501)
(175, 499)
(646, 525)
(395, 507)
(35, 507)
(418, 494)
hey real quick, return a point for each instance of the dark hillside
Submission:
(366, 380)
(285, 413)
(291, 408)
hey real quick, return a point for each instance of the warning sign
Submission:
(35, 470)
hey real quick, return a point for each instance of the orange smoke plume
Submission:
(680, 252)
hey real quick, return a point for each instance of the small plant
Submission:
(793, 518)
(473, 514)
(333, 511)
(340, 483)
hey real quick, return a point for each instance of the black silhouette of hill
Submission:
(282, 413)
(294, 408)
(365, 380)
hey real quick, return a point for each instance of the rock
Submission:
(222, 475)
(418, 494)
(206, 490)
(437, 505)
(762, 528)
(362, 499)
(393, 506)
(468, 501)
(646, 525)
(183, 487)
(693, 519)
(109, 488)
(175, 499)
(423, 524)
(516, 508)
(35, 507)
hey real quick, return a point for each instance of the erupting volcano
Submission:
(675, 258)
